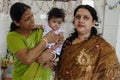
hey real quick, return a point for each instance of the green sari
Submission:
(35, 71)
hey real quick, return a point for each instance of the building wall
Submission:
(111, 28)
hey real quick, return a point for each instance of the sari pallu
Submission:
(35, 71)
(93, 59)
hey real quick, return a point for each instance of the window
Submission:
(89, 2)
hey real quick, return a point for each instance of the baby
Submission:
(55, 18)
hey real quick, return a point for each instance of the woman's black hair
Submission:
(56, 13)
(94, 16)
(16, 12)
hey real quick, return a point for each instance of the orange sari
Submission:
(93, 59)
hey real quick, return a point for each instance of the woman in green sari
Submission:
(25, 43)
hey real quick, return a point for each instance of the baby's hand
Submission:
(61, 34)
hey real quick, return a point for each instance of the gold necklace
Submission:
(76, 41)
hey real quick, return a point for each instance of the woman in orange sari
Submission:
(85, 54)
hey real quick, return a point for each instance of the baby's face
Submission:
(55, 23)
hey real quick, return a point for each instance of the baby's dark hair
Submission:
(56, 13)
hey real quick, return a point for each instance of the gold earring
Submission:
(16, 23)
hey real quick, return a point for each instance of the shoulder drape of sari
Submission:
(35, 71)
(93, 59)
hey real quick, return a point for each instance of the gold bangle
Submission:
(56, 60)
(45, 39)
(54, 56)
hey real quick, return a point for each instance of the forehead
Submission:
(27, 13)
(56, 19)
(83, 11)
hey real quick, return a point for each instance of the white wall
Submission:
(111, 26)
(118, 41)
(4, 28)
